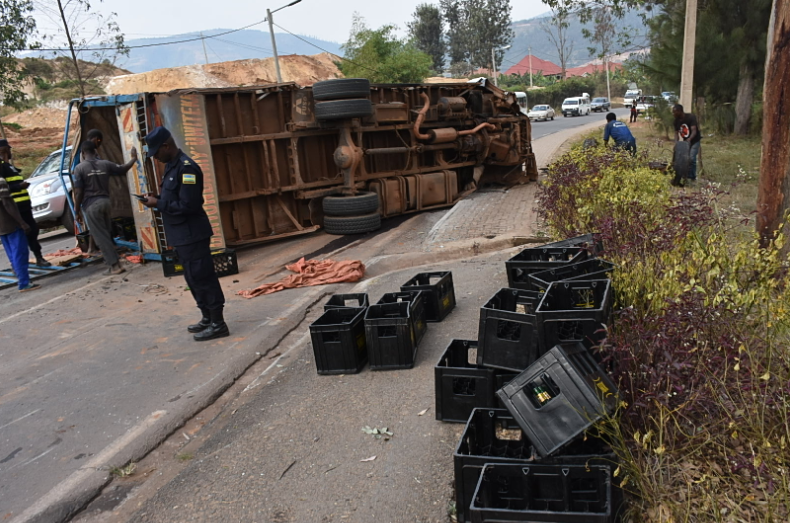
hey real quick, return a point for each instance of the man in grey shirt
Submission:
(92, 195)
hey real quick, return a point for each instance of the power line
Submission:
(324, 50)
(156, 44)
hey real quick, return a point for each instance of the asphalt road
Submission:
(98, 369)
(560, 123)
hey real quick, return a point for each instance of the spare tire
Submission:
(361, 203)
(680, 162)
(340, 109)
(352, 224)
(341, 88)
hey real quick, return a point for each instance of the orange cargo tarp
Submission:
(312, 272)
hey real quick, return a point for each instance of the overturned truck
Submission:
(281, 160)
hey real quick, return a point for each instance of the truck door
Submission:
(131, 126)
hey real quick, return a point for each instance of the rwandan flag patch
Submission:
(190, 178)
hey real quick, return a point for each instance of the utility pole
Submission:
(274, 42)
(205, 54)
(493, 67)
(687, 71)
(608, 89)
(530, 67)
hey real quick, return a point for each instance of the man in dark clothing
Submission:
(12, 236)
(620, 133)
(687, 129)
(188, 230)
(634, 113)
(92, 195)
(18, 188)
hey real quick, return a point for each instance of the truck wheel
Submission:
(340, 109)
(359, 204)
(680, 162)
(341, 88)
(352, 224)
(67, 220)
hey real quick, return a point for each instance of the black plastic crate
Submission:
(508, 330)
(438, 293)
(124, 228)
(592, 242)
(535, 259)
(574, 311)
(417, 309)
(590, 269)
(392, 334)
(171, 266)
(558, 397)
(347, 301)
(462, 385)
(339, 341)
(490, 436)
(225, 262)
(543, 493)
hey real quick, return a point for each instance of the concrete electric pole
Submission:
(687, 72)
(274, 42)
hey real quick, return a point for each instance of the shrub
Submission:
(698, 346)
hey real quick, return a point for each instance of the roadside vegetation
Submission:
(699, 343)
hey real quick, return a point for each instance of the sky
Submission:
(325, 19)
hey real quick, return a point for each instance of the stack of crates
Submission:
(394, 327)
(528, 454)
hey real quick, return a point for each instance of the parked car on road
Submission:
(669, 96)
(541, 112)
(600, 104)
(47, 195)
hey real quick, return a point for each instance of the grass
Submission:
(124, 472)
(185, 456)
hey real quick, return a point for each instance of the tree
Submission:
(17, 27)
(475, 29)
(557, 31)
(382, 57)
(773, 201)
(426, 31)
(89, 39)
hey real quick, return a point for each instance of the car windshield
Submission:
(571, 102)
(540, 108)
(48, 166)
(600, 100)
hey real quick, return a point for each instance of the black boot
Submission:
(203, 324)
(217, 329)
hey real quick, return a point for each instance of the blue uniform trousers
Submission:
(15, 245)
(200, 274)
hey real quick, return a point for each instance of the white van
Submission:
(576, 106)
(521, 100)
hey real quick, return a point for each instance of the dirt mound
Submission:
(303, 70)
(43, 116)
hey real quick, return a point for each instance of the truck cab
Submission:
(521, 100)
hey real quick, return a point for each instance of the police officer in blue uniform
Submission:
(188, 230)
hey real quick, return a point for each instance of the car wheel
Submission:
(352, 224)
(359, 204)
(67, 220)
(340, 109)
(552, 118)
(680, 162)
(341, 88)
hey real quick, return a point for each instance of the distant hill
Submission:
(249, 43)
(530, 34)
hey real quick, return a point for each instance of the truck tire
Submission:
(341, 88)
(352, 224)
(680, 162)
(362, 203)
(341, 109)
(67, 220)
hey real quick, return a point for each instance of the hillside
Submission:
(240, 45)
(530, 34)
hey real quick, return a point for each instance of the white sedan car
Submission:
(541, 112)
